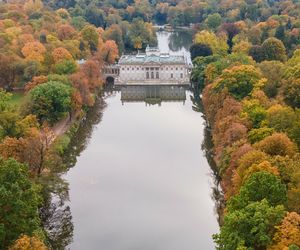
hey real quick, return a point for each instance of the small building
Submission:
(153, 68)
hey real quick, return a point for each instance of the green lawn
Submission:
(16, 99)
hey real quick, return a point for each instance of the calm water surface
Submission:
(141, 180)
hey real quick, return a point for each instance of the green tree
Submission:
(90, 35)
(213, 21)
(254, 111)
(260, 185)
(258, 134)
(249, 228)
(65, 67)
(199, 49)
(50, 101)
(19, 201)
(273, 50)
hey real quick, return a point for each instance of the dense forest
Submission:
(247, 62)
(246, 57)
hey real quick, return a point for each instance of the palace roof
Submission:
(152, 55)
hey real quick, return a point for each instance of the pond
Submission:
(139, 177)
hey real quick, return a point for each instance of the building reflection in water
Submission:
(153, 94)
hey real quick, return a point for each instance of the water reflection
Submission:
(142, 182)
(153, 94)
(55, 214)
(179, 40)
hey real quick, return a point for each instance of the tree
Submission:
(217, 44)
(272, 70)
(65, 67)
(34, 51)
(50, 101)
(257, 53)
(28, 243)
(60, 54)
(213, 21)
(256, 135)
(288, 232)
(36, 80)
(32, 148)
(200, 50)
(66, 32)
(83, 94)
(292, 93)
(250, 227)
(274, 50)
(254, 111)
(260, 185)
(95, 16)
(91, 70)
(231, 30)
(19, 201)
(90, 35)
(277, 144)
(8, 70)
(239, 80)
(109, 51)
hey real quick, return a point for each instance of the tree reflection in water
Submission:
(181, 39)
(56, 214)
(207, 147)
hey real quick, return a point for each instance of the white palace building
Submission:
(152, 68)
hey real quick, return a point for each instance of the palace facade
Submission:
(153, 68)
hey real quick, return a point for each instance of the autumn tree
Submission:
(9, 70)
(239, 80)
(19, 202)
(66, 32)
(217, 44)
(272, 70)
(277, 144)
(28, 243)
(60, 54)
(34, 51)
(91, 69)
(82, 95)
(109, 51)
(287, 233)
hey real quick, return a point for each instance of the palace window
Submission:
(152, 75)
(147, 75)
(181, 75)
(157, 75)
(171, 75)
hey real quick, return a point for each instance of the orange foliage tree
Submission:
(34, 51)
(60, 54)
(109, 51)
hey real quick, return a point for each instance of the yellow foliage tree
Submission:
(34, 51)
(217, 44)
(28, 243)
(32, 6)
(288, 232)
